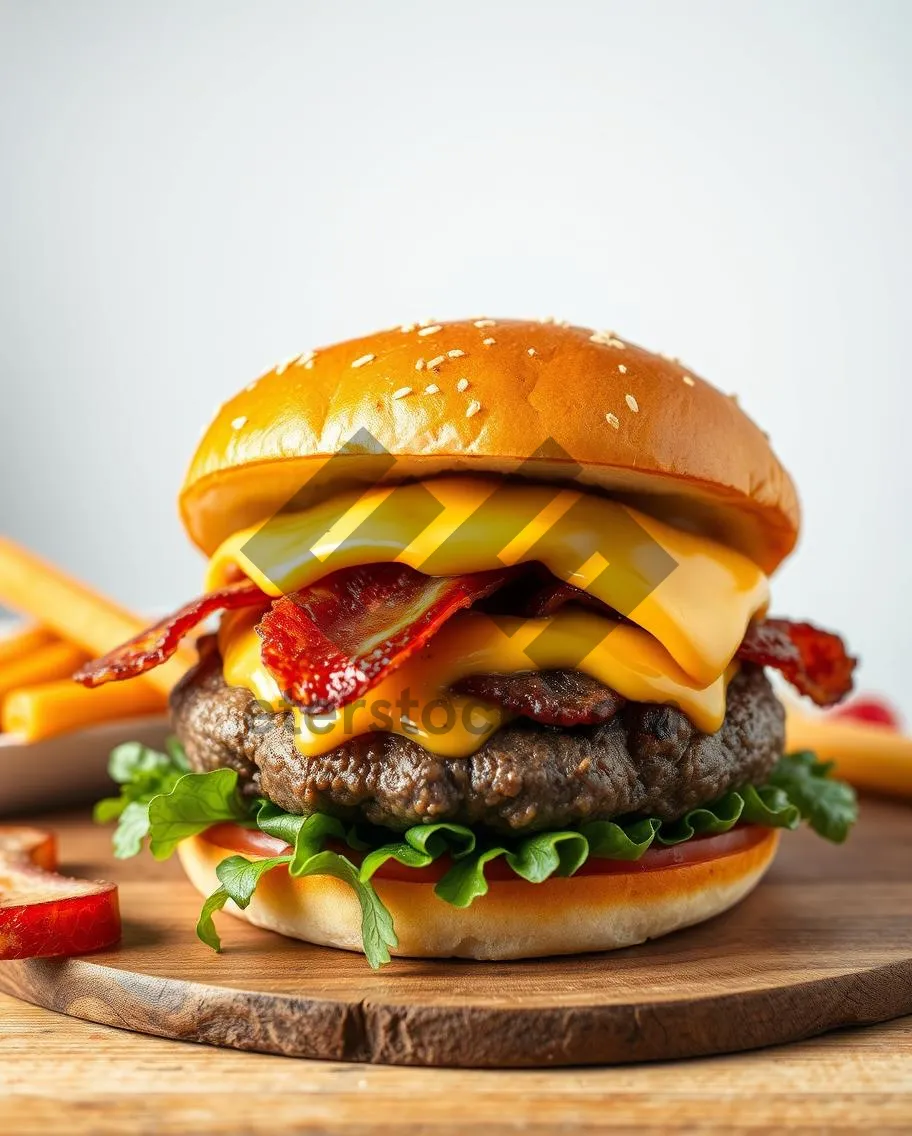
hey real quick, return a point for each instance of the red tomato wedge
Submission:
(868, 710)
(699, 849)
(44, 914)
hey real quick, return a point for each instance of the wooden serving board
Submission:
(826, 941)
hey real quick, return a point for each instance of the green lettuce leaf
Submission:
(132, 829)
(535, 858)
(160, 799)
(195, 803)
(465, 881)
(420, 846)
(205, 925)
(377, 932)
(613, 840)
(830, 807)
(143, 774)
(238, 877)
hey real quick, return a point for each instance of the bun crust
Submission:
(514, 920)
(614, 417)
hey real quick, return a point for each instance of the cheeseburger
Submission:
(490, 677)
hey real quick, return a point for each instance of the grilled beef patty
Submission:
(647, 759)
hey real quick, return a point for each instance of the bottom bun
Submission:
(593, 912)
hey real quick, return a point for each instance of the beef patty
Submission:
(647, 759)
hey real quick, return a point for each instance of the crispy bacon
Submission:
(536, 594)
(157, 644)
(815, 662)
(328, 644)
(331, 642)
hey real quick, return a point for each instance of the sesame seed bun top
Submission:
(488, 395)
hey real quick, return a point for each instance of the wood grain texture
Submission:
(825, 942)
(62, 1075)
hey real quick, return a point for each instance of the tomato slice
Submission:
(699, 849)
(43, 913)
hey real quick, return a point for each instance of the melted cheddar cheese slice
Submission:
(693, 595)
(690, 597)
(415, 700)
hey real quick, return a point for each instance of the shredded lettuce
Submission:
(163, 802)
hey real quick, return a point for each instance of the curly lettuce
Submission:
(162, 802)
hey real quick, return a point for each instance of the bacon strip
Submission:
(157, 644)
(815, 662)
(328, 644)
(536, 594)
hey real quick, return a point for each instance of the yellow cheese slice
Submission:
(693, 595)
(415, 700)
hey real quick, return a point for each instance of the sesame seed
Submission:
(433, 329)
(436, 361)
(304, 358)
(402, 392)
(407, 327)
(622, 368)
(607, 339)
(455, 353)
(308, 366)
(489, 342)
(432, 389)
(238, 423)
(613, 420)
(670, 358)
(486, 323)
(252, 386)
(530, 351)
(462, 385)
(632, 402)
(362, 359)
(419, 365)
(282, 367)
(473, 408)
(688, 380)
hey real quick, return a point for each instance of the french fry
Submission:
(76, 612)
(24, 642)
(40, 712)
(869, 757)
(59, 660)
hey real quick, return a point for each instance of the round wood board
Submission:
(826, 941)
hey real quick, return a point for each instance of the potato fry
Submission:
(869, 757)
(40, 712)
(76, 612)
(59, 660)
(23, 642)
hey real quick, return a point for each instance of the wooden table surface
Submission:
(61, 1074)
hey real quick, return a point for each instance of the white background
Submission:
(190, 191)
